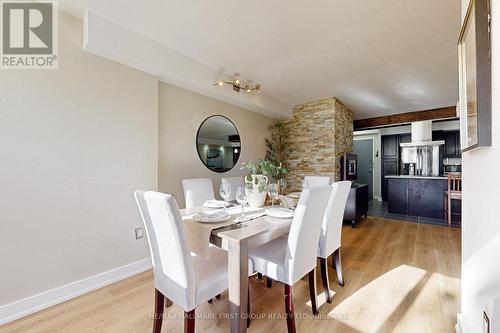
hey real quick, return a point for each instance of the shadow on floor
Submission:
(379, 209)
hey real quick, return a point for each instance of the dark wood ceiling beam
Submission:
(408, 117)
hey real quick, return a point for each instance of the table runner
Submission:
(198, 233)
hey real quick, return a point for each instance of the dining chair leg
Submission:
(259, 276)
(338, 267)
(189, 321)
(444, 205)
(449, 211)
(290, 315)
(269, 282)
(158, 315)
(323, 263)
(248, 308)
(312, 291)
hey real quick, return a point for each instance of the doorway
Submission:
(364, 149)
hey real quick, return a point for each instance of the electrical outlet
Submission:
(139, 233)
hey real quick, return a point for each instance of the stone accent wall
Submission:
(320, 132)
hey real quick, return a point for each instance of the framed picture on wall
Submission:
(474, 53)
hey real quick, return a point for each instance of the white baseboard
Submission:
(459, 327)
(26, 306)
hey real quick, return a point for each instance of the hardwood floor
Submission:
(399, 277)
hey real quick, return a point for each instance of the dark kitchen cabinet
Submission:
(417, 197)
(452, 144)
(405, 138)
(439, 136)
(389, 167)
(390, 146)
(397, 195)
(425, 197)
(390, 157)
(357, 203)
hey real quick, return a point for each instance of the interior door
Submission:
(364, 150)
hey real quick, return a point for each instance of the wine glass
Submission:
(272, 190)
(282, 183)
(241, 197)
(225, 193)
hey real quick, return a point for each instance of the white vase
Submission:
(256, 199)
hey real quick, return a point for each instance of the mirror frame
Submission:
(196, 142)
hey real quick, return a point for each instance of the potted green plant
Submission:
(256, 181)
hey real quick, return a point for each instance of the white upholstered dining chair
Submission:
(288, 259)
(197, 191)
(234, 183)
(331, 232)
(311, 181)
(181, 276)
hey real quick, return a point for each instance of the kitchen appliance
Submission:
(451, 167)
(349, 166)
(422, 153)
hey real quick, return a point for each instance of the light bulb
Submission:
(249, 90)
(220, 83)
(237, 81)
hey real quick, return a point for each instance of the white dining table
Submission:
(237, 239)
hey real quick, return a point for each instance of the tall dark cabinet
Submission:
(452, 144)
(391, 157)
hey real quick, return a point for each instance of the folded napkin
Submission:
(286, 201)
(214, 216)
(212, 203)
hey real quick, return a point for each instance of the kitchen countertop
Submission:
(415, 177)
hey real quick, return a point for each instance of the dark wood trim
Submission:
(408, 117)
(312, 291)
(158, 315)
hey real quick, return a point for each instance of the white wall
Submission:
(74, 144)
(180, 114)
(480, 223)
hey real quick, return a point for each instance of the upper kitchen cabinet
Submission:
(452, 144)
(390, 147)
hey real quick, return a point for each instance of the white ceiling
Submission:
(378, 56)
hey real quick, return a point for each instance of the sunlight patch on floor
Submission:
(381, 303)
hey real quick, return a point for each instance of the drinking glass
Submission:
(225, 193)
(282, 183)
(241, 197)
(272, 190)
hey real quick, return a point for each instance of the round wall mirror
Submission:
(218, 143)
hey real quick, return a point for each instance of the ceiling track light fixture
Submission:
(240, 85)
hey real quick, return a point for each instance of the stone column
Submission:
(320, 132)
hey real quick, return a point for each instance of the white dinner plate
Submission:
(294, 195)
(212, 217)
(214, 203)
(280, 212)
